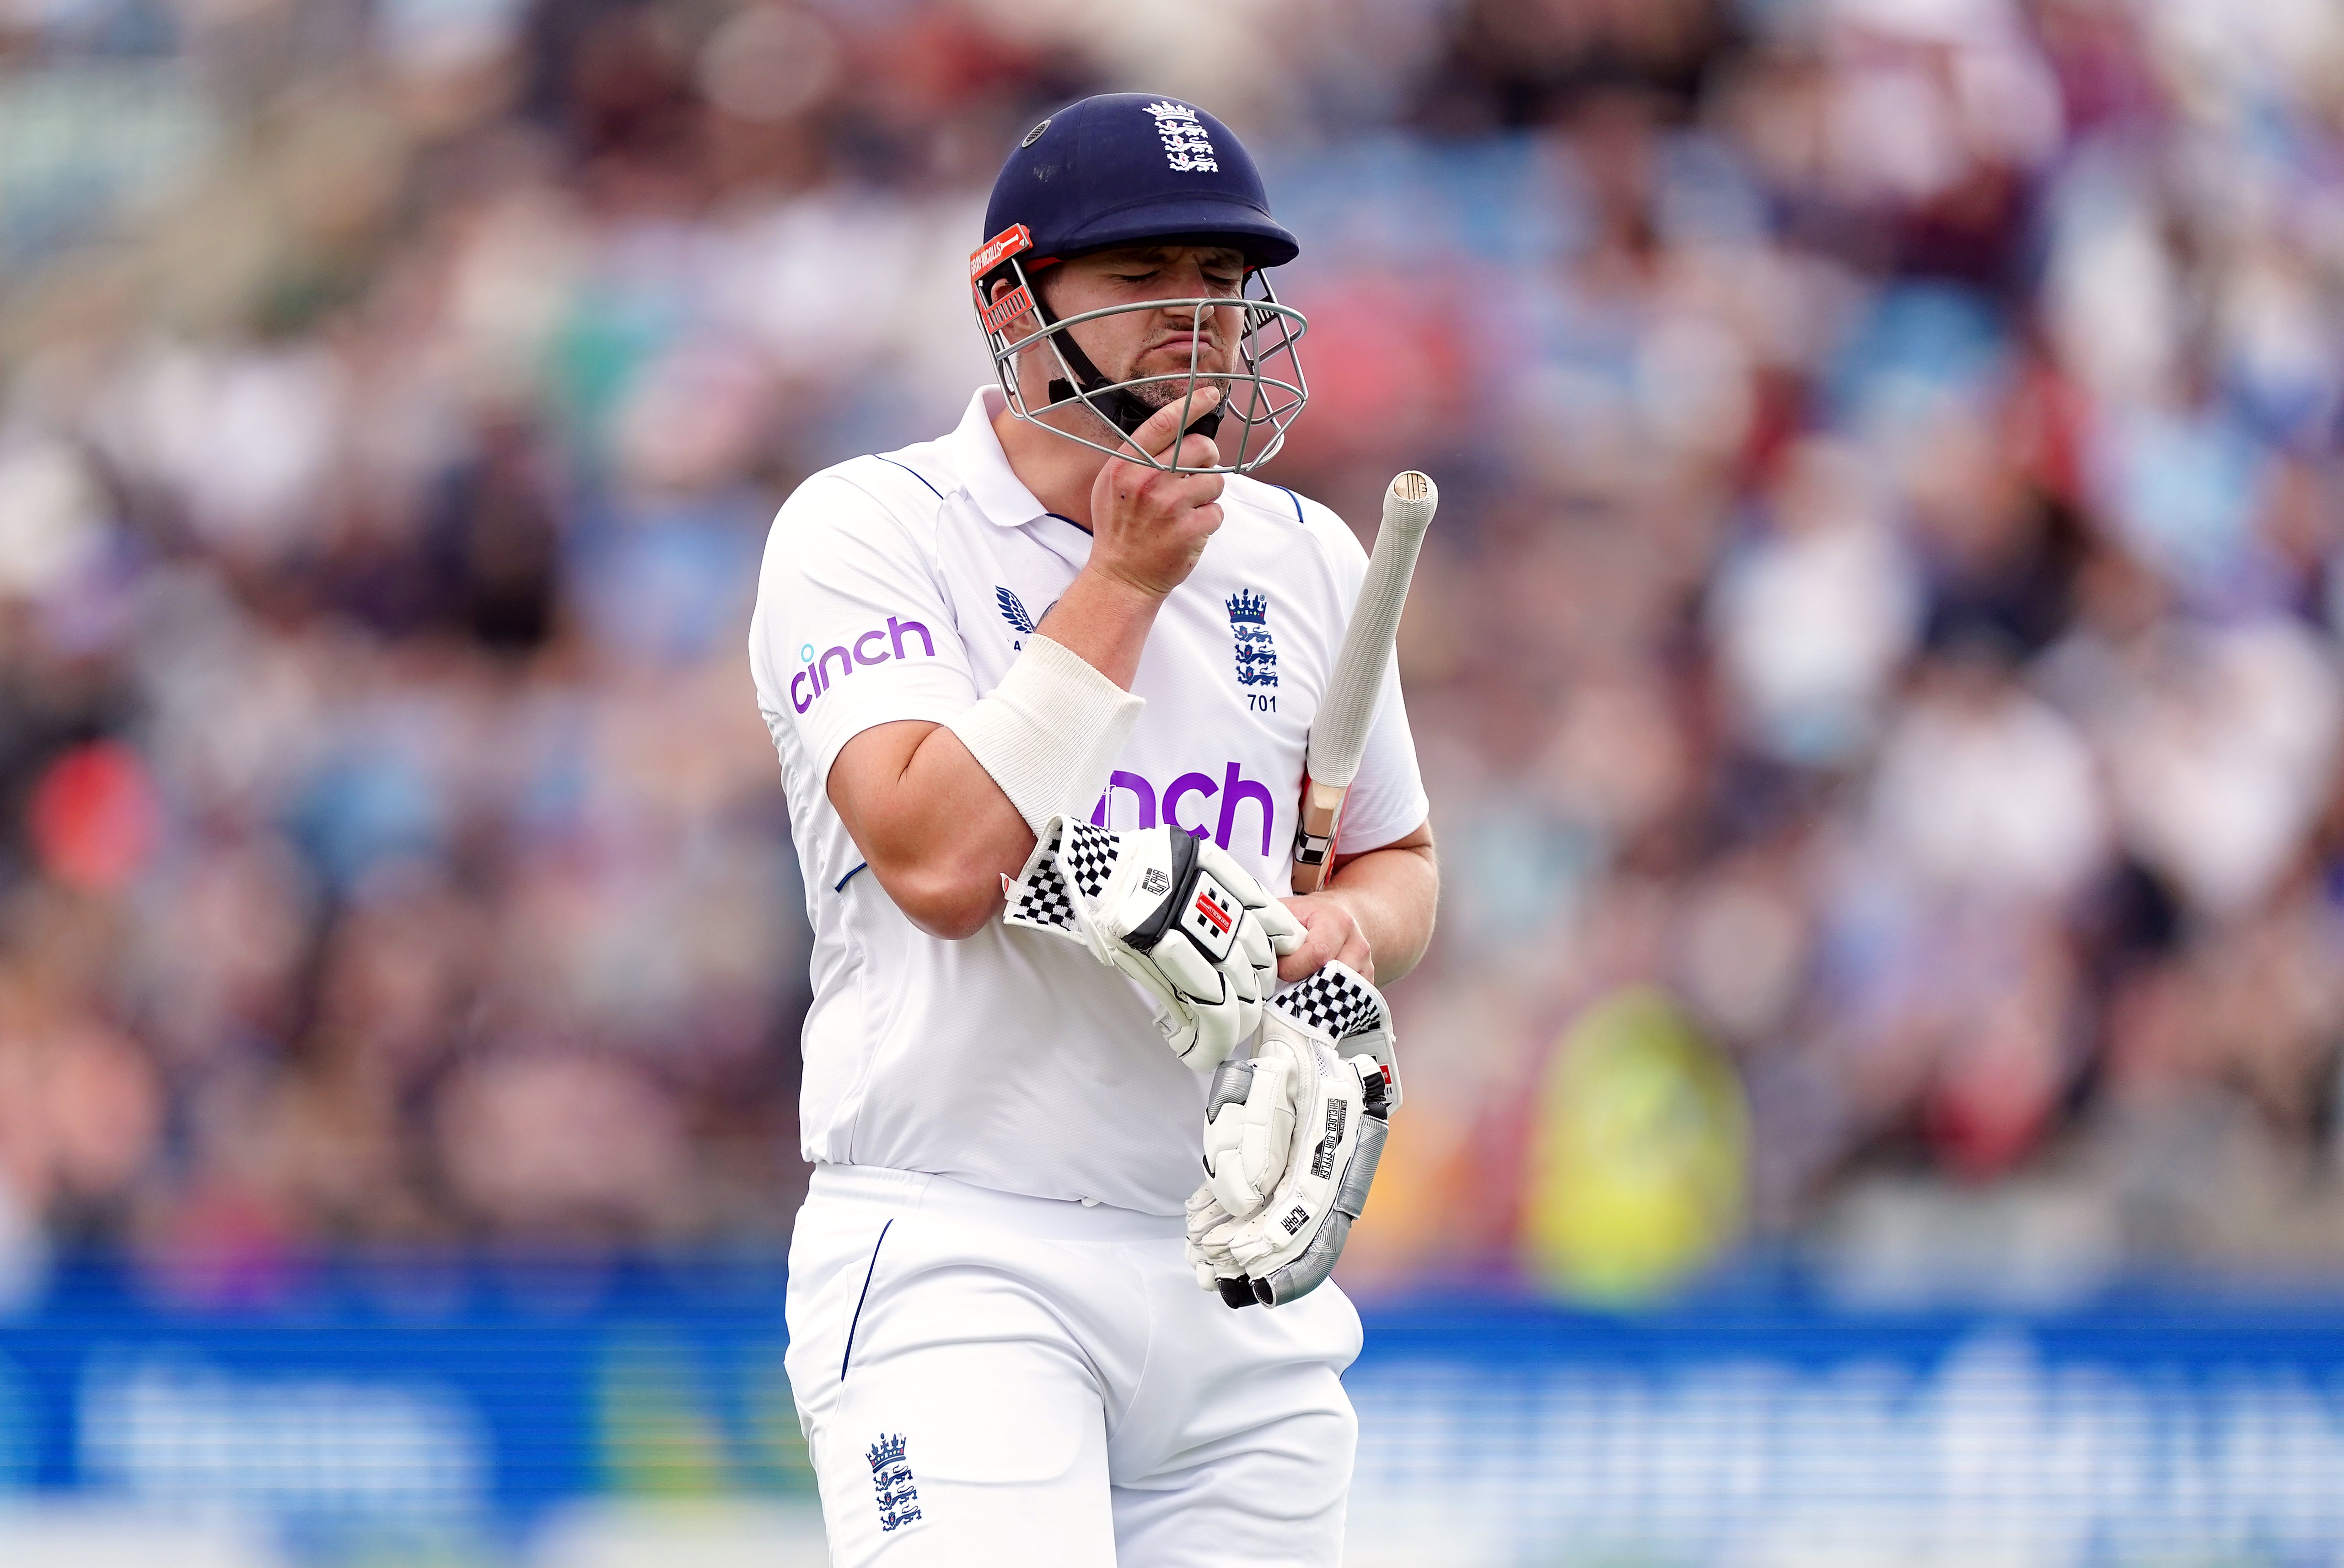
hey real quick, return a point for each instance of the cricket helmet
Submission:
(1128, 168)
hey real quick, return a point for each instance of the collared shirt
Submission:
(903, 586)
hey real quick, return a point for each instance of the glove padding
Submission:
(1292, 1137)
(1172, 911)
(1210, 1229)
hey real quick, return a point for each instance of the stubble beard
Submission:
(1163, 394)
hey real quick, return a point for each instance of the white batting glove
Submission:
(1292, 1138)
(1249, 1121)
(1211, 1226)
(1173, 912)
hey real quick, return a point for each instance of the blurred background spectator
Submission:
(1876, 669)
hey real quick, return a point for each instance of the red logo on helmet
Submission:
(998, 249)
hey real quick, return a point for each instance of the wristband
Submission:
(1050, 732)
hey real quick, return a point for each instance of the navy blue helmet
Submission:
(1122, 169)
(1128, 168)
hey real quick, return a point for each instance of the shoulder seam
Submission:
(1255, 497)
(919, 530)
(904, 516)
(913, 471)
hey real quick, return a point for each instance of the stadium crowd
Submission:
(1886, 598)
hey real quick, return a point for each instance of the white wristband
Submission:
(1050, 731)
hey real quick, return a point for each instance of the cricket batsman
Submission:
(1091, 1101)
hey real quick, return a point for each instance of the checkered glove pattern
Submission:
(1037, 898)
(1292, 1137)
(1172, 911)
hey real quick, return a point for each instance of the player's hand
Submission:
(1330, 934)
(1148, 527)
(1291, 1139)
(1210, 1226)
(1172, 911)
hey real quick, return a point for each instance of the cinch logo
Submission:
(1233, 788)
(816, 676)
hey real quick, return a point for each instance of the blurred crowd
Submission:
(1883, 618)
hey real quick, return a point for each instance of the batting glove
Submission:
(1292, 1137)
(1211, 1226)
(1173, 912)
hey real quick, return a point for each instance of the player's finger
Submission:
(1182, 481)
(1328, 943)
(1241, 1173)
(1216, 1031)
(1161, 433)
(1239, 968)
(1279, 923)
(1253, 940)
(1203, 981)
(1322, 941)
(1198, 452)
(1168, 1001)
(1204, 1211)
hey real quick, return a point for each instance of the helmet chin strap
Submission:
(1124, 408)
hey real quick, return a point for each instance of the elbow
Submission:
(949, 901)
(954, 919)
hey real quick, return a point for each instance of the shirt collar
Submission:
(983, 468)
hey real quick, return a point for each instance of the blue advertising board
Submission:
(2147, 1430)
(462, 1405)
(441, 1403)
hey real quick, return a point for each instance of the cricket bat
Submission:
(1339, 732)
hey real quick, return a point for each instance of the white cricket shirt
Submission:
(902, 587)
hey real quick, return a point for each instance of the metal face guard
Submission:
(1262, 398)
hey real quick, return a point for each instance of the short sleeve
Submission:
(852, 628)
(1386, 800)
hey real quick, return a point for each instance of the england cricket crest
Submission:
(1257, 652)
(890, 1478)
(1188, 146)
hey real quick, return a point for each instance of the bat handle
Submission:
(1310, 853)
(1314, 834)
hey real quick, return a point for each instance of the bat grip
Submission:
(1311, 854)
(1314, 836)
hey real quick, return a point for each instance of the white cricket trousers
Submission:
(985, 1377)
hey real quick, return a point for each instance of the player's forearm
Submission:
(935, 829)
(1104, 621)
(942, 812)
(1392, 894)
